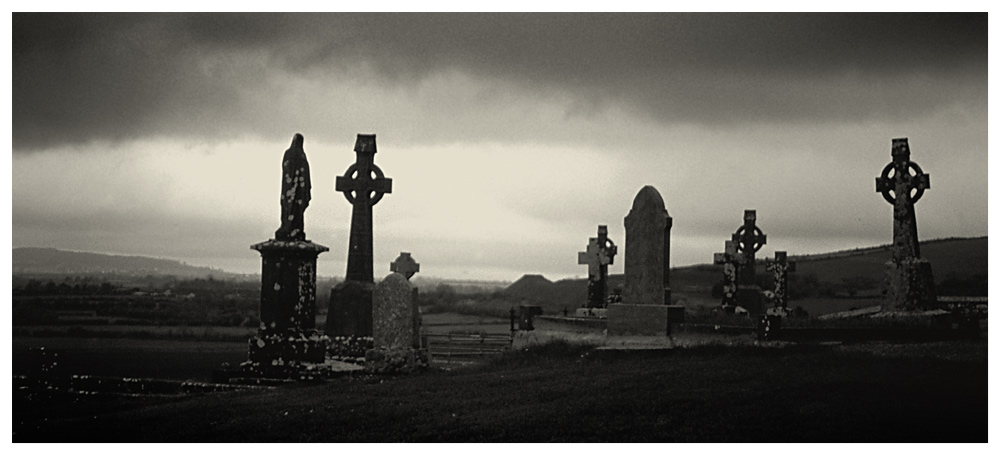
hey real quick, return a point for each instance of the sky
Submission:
(509, 137)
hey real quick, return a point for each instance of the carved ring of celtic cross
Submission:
(350, 174)
(757, 234)
(889, 175)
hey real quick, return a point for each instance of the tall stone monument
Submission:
(780, 268)
(287, 338)
(748, 239)
(909, 281)
(600, 253)
(730, 261)
(646, 296)
(363, 185)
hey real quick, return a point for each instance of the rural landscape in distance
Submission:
(496, 228)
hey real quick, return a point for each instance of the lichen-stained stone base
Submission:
(396, 361)
(350, 349)
(910, 285)
(287, 355)
(644, 320)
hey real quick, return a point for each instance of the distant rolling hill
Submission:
(50, 261)
(955, 256)
(951, 259)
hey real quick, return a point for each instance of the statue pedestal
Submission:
(287, 338)
(910, 285)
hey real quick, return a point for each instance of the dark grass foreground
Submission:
(567, 393)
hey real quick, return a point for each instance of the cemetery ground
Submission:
(918, 392)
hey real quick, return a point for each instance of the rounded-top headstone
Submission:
(647, 250)
(392, 313)
(648, 200)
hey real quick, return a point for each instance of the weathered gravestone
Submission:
(395, 336)
(748, 239)
(407, 266)
(730, 261)
(780, 268)
(363, 185)
(909, 281)
(287, 338)
(646, 297)
(600, 253)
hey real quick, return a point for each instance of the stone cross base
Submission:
(750, 298)
(642, 320)
(910, 285)
(396, 361)
(284, 354)
(350, 311)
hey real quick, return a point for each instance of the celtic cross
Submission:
(748, 240)
(902, 183)
(404, 264)
(363, 184)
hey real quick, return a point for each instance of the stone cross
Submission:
(405, 264)
(363, 184)
(780, 267)
(600, 252)
(295, 192)
(748, 240)
(729, 260)
(902, 189)
(909, 280)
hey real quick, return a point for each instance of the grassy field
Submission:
(163, 359)
(894, 393)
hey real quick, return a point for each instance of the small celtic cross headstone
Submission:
(748, 239)
(780, 267)
(909, 280)
(363, 184)
(730, 261)
(600, 252)
(405, 264)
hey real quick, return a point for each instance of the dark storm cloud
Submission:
(80, 77)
